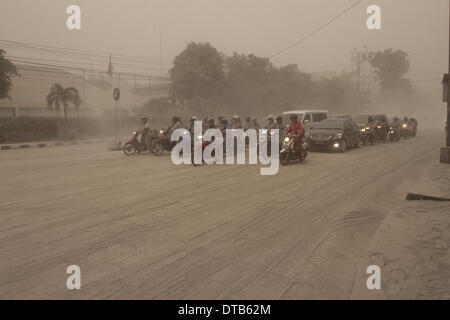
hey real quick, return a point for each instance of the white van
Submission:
(309, 118)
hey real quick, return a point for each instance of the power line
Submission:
(317, 30)
(80, 51)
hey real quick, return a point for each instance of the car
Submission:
(334, 135)
(309, 118)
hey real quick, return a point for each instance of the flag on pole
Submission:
(110, 67)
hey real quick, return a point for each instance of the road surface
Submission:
(141, 227)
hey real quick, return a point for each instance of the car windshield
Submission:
(331, 124)
(361, 118)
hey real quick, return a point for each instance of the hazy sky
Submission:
(261, 27)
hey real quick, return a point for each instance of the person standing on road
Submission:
(146, 133)
(297, 130)
(281, 128)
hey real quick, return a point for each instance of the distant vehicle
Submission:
(334, 135)
(309, 118)
(383, 128)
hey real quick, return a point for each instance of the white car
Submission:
(309, 118)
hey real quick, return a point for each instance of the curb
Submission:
(50, 144)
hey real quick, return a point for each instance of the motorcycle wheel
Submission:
(284, 159)
(157, 149)
(129, 149)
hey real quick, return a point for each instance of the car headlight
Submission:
(200, 137)
(263, 131)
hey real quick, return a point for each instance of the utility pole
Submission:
(445, 151)
(447, 144)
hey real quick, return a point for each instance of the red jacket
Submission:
(297, 130)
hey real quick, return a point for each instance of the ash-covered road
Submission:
(141, 227)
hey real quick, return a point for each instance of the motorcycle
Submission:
(405, 132)
(367, 136)
(163, 143)
(381, 134)
(134, 145)
(394, 134)
(194, 147)
(288, 152)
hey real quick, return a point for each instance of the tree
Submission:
(7, 72)
(255, 83)
(390, 67)
(198, 79)
(339, 95)
(59, 98)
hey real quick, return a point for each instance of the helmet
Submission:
(279, 119)
(193, 118)
(144, 119)
(293, 117)
(235, 117)
(395, 118)
(174, 119)
(370, 119)
(271, 117)
(248, 119)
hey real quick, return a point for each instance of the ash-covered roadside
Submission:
(411, 247)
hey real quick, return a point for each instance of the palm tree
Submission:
(62, 97)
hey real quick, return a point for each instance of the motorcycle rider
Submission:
(247, 123)
(271, 124)
(236, 122)
(146, 133)
(191, 125)
(396, 123)
(255, 125)
(297, 130)
(282, 129)
(176, 124)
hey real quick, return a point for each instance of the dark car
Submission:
(334, 135)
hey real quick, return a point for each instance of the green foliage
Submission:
(7, 72)
(198, 76)
(60, 96)
(390, 67)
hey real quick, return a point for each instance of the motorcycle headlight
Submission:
(263, 131)
(161, 131)
(379, 127)
(339, 136)
(134, 132)
(200, 137)
(367, 128)
(286, 140)
(405, 125)
(363, 130)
